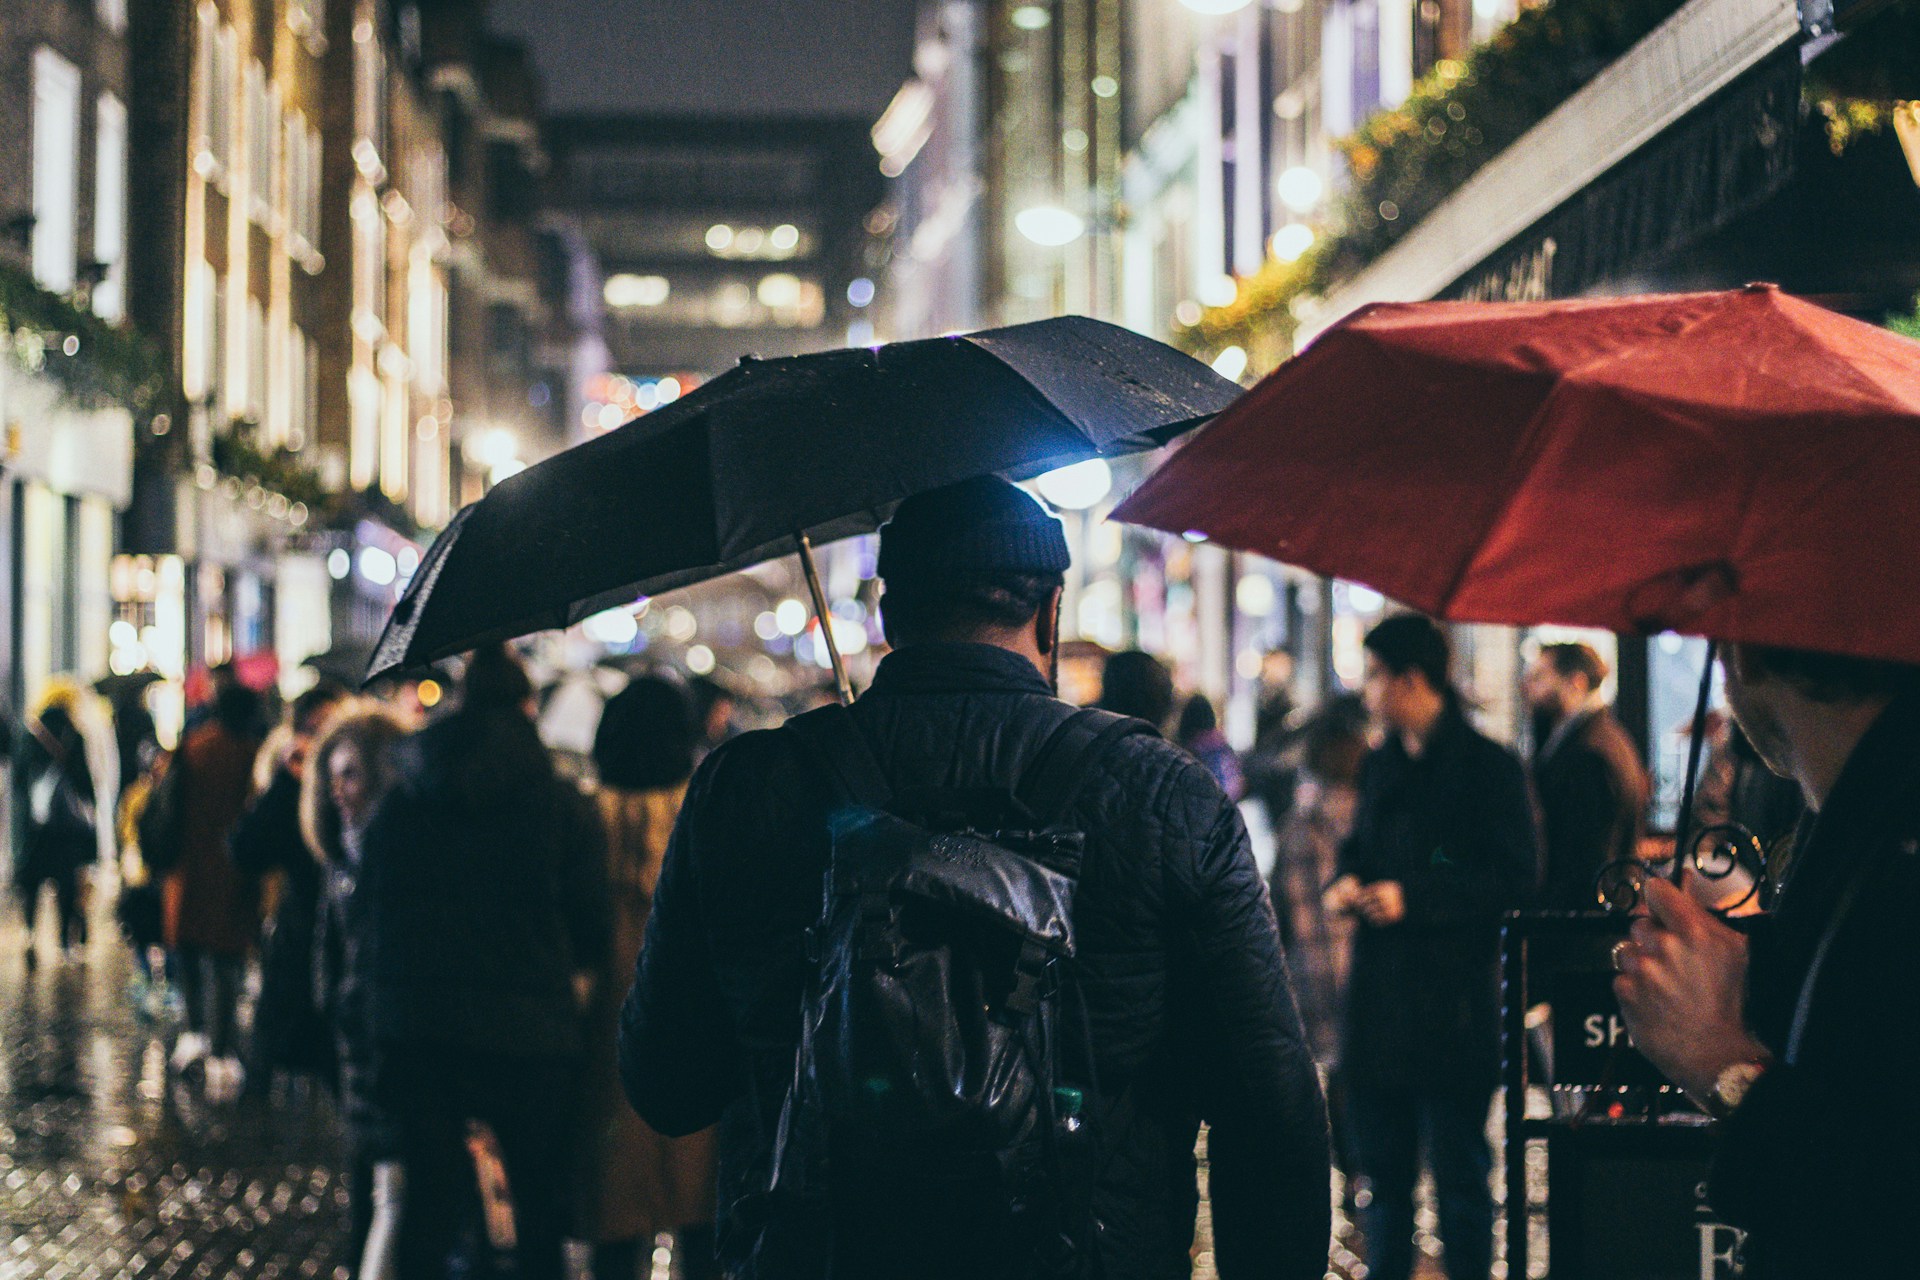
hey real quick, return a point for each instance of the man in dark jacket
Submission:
(1586, 773)
(1801, 1038)
(480, 913)
(1179, 959)
(1443, 842)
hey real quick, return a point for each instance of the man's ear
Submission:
(1046, 623)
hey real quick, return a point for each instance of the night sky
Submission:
(715, 57)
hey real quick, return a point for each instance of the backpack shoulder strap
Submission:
(1058, 772)
(836, 741)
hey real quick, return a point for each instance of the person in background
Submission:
(481, 918)
(1319, 943)
(1443, 842)
(638, 1184)
(1200, 736)
(136, 739)
(60, 840)
(350, 769)
(1135, 683)
(210, 908)
(1269, 766)
(713, 709)
(289, 1033)
(1586, 773)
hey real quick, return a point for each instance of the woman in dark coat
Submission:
(351, 768)
(59, 818)
(289, 1032)
(637, 1183)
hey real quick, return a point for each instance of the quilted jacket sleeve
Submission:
(1259, 1092)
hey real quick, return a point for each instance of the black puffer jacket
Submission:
(482, 892)
(1180, 963)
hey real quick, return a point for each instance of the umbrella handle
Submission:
(1685, 817)
(842, 684)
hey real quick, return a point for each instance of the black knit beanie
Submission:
(983, 525)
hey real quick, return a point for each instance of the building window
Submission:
(110, 208)
(303, 389)
(308, 20)
(369, 104)
(56, 163)
(301, 157)
(196, 362)
(112, 14)
(260, 143)
(223, 120)
(256, 388)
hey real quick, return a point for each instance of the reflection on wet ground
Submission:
(110, 1169)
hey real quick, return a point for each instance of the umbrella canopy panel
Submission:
(1741, 465)
(823, 445)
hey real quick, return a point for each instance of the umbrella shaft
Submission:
(1683, 822)
(843, 685)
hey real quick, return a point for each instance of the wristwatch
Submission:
(1731, 1085)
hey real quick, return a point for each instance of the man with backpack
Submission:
(960, 971)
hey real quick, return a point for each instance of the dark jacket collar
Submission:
(952, 667)
(1449, 732)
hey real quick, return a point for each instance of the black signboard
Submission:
(1591, 1047)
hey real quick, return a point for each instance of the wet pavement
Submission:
(111, 1168)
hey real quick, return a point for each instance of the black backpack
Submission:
(940, 1119)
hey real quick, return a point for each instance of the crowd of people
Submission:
(455, 932)
(443, 923)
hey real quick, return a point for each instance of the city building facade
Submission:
(68, 370)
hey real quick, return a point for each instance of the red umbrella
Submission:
(1740, 465)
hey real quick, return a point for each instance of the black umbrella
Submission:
(776, 455)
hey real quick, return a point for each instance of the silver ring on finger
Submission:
(1620, 950)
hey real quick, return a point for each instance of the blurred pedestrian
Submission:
(59, 841)
(211, 908)
(350, 769)
(1586, 772)
(1443, 842)
(1306, 860)
(639, 1184)
(1135, 683)
(714, 706)
(1177, 969)
(1200, 736)
(1799, 1039)
(289, 1033)
(136, 739)
(1270, 765)
(481, 917)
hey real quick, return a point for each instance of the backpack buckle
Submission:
(1028, 973)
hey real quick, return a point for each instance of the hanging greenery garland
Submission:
(96, 365)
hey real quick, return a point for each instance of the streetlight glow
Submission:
(1050, 226)
(1299, 188)
(1077, 487)
(1290, 241)
(1231, 363)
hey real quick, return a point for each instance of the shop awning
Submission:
(1721, 55)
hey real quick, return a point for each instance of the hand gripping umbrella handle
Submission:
(842, 685)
